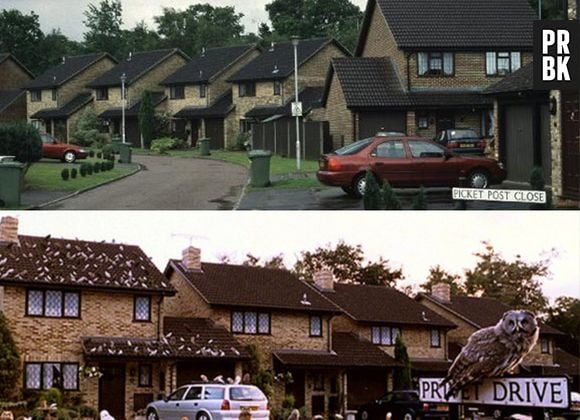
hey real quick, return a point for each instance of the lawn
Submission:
(46, 175)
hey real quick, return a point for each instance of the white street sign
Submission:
(547, 392)
(512, 196)
(296, 109)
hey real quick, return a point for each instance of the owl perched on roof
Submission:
(493, 351)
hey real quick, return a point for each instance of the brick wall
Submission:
(556, 144)
(16, 111)
(192, 98)
(220, 85)
(13, 77)
(339, 117)
(78, 83)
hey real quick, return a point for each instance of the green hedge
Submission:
(21, 140)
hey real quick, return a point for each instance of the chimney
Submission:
(441, 292)
(9, 230)
(191, 258)
(324, 280)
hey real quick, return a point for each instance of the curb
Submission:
(139, 168)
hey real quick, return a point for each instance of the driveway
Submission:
(167, 183)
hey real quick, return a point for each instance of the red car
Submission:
(405, 162)
(52, 149)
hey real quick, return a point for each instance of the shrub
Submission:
(83, 170)
(104, 166)
(146, 119)
(372, 198)
(97, 167)
(242, 142)
(87, 131)
(99, 155)
(538, 183)
(65, 174)
(162, 145)
(89, 169)
(73, 173)
(21, 140)
(420, 201)
(91, 153)
(108, 152)
(390, 198)
(9, 361)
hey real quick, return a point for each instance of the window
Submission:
(318, 382)
(384, 336)
(53, 303)
(545, 345)
(315, 326)
(178, 395)
(55, 94)
(422, 121)
(390, 149)
(145, 375)
(435, 64)
(102, 94)
(49, 375)
(194, 393)
(250, 323)
(35, 95)
(177, 92)
(247, 89)
(245, 126)
(214, 393)
(435, 338)
(202, 90)
(422, 149)
(142, 309)
(277, 88)
(502, 63)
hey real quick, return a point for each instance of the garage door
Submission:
(214, 130)
(372, 122)
(519, 142)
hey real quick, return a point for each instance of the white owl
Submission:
(494, 351)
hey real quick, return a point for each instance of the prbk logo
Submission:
(557, 54)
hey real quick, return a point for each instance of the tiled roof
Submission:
(519, 81)
(133, 110)
(204, 67)
(8, 96)
(565, 362)
(383, 305)
(348, 351)
(253, 287)
(5, 56)
(310, 97)
(139, 64)
(459, 99)
(459, 24)
(430, 365)
(219, 109)
(278, 63)
(59, 74)
(481, 311)
(66, 262)
(67, 109)
(184, 338)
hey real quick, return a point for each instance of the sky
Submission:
(414, 241)
(68, 14)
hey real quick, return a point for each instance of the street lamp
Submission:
(124, 104)
(296, 107)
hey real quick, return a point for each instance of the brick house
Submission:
(267, 83)
(200, 99)
(56, 98)
(143, 71)
(12, 99)
(421, 66)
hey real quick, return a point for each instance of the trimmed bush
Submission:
(97, 167)
(108, 152)
(91, 153)
(390, 199)
(21, 140)
(83, 170)
(372, 198)
(89, 169)
(73, 173)
(64, 174)
(538, 183)
(162, 145)
(99, 155)
(104, 166)
(420, 201)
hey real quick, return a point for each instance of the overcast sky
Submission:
(413, 241)
(68, 14)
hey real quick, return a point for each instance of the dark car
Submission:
(402, 405)
(461, 141)
(405, 162)
(52, 149)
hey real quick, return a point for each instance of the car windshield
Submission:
(353, 148)
(245, 393)
(462, 134)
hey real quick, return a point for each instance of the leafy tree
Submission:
(439, 275)
(402, 375)
(372, 198)
(146, 119)
(55, 46)
(565, 316)
(22, 141)
(87, 130)
(420, 201)
(348, 265)
(517, 283)
(276, 261)
(103, 23)
(140, 38)
(9, 361)
(20, 35)
(551, 9)
(390, 198)
(538, 183)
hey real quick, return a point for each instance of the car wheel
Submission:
(497, 414)
(408, 416)
(478, 179)
(359, 185)
(69, 157)
(203, 416)
(364, 415)
(152, 415)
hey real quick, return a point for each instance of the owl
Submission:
(493, 351)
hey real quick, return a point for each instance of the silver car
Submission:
(211, 401)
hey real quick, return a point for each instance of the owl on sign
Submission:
(493, 351)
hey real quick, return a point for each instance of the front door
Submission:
(112, 390)
(445, 120)
(570, 145)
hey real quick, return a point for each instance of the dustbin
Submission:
(11, 173)
(203, 147)
(260, 167)
(115, 143)
(125, 153)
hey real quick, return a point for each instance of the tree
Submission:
(402, 375)
(87, 130)
(517, 283)
(551, 9)
(9, 361)
(565, 316)
(104, 27)
(390, 198)
(22, 141)
(276, 261)
(348, 265)
(372, 199)
(439, 275)
(420, 201)
(146, 119)
(55, 46)
(140, 38)
(20, 35)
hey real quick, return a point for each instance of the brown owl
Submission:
(493, 351)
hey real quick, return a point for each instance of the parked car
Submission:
(210, 401)
(404, 405)
(52, 149)
(461, 141)
(405, 162)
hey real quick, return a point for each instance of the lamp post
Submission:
(124, 102)
(295, 44)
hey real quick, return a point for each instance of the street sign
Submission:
(547, 392)
(296, 109)
(512, 196)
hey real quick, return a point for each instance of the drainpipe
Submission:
(159, 317)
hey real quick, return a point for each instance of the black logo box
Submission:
(573, 28)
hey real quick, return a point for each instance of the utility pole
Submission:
(296, 106)
(124, 104)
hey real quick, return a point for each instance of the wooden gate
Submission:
(570, 145)
(214, 130)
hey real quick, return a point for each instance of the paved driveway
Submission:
(167, 183)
